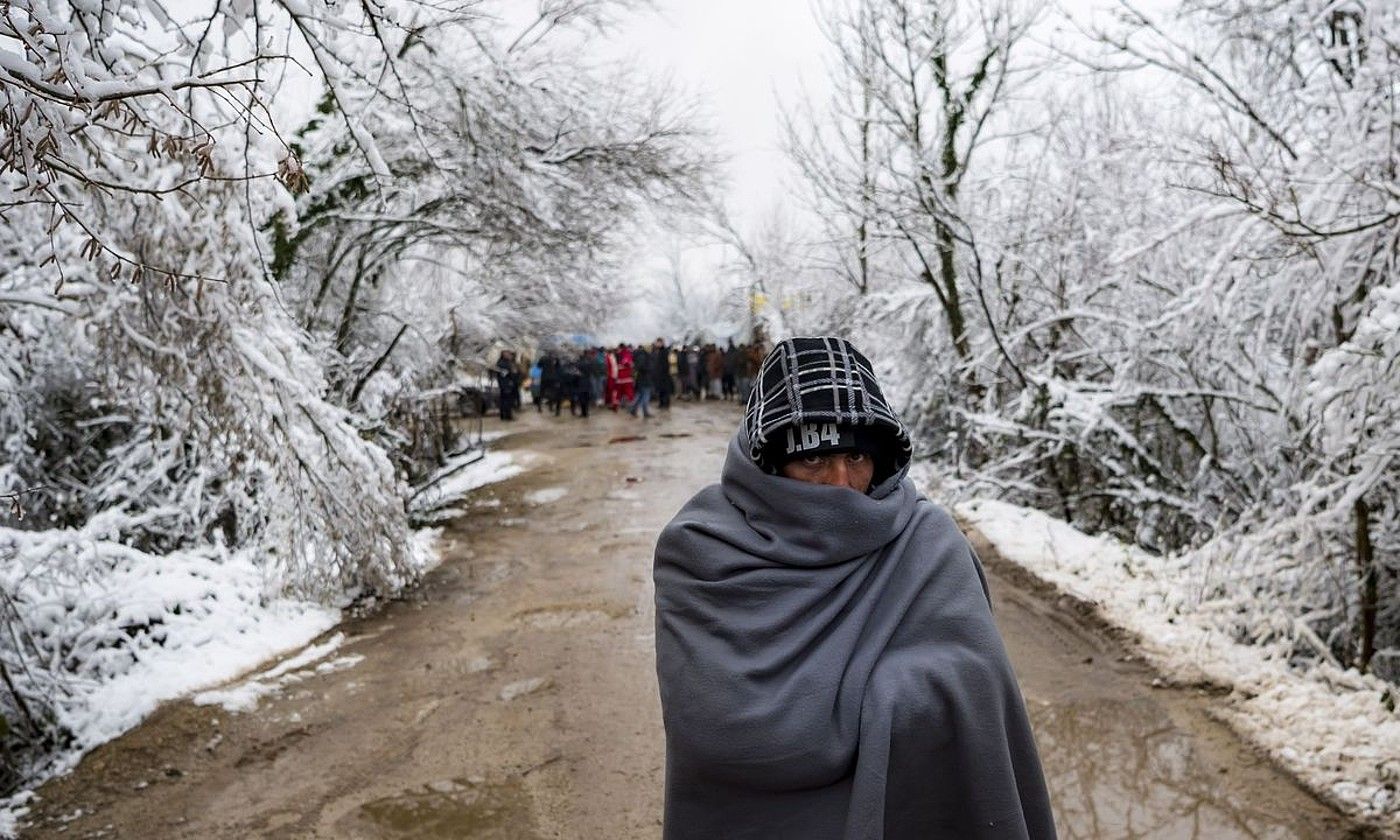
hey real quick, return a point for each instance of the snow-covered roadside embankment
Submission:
(1335, 730)
(111, 632)
(437, 499)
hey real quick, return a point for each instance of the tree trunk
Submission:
(347, 315)
(1366, 570)
(948, 278)
(953, 166)
(867, 189)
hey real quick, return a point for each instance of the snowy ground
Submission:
(1335, 730)
(439, 495)
(546, 495)
(244, 696)
(214, 622)
(205, 618)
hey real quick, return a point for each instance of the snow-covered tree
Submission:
(1302, 147)
(216, 221)
(919, 83)
(1178, 254)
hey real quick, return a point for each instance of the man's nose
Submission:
(836, 474)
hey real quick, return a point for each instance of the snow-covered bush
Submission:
(103, 632)
(181, 418)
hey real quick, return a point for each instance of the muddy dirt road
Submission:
(513, 695)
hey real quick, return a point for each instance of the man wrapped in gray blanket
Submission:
(828, 663)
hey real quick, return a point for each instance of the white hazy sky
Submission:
(740, 57)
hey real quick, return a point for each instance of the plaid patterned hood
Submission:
(823, 379)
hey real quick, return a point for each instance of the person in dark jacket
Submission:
(828, 664)
(750, 357)
(729, 377)
(644, 375)
(507, 384)
(695, 375)
(570, 380)
(714, 369)
(661, 382)
(596, 366)
(549, 382)
(581, 384)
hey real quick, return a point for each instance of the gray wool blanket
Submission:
(829, 668)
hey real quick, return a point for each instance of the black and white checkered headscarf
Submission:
(823, 379)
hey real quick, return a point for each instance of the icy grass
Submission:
(12, 810)
(128, 630)
(1331, 728)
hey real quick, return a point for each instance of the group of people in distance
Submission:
(628, 376)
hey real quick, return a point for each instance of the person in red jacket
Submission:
(626, 382)
(610, 379)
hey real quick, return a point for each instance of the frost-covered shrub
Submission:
(1327, 543)
(99, 633)
(162, 421)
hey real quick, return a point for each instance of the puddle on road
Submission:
(1125, 770)
(455, 809)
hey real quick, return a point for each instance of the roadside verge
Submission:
(1335, 731)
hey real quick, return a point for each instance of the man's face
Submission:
(839, 469)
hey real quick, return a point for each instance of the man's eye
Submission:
(856, 457)
(813, 461)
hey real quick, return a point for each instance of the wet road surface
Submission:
(513, 695)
